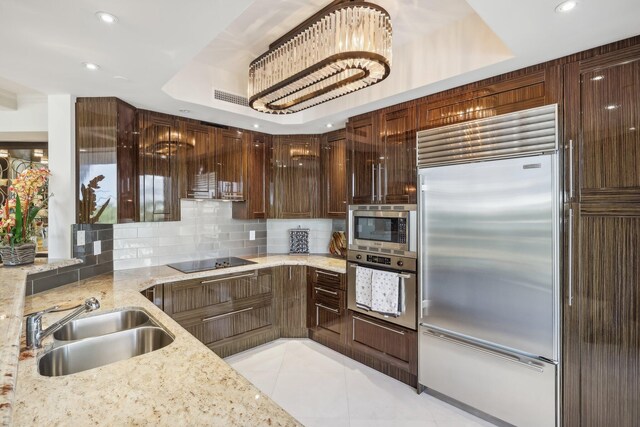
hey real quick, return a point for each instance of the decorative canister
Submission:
(299, 241)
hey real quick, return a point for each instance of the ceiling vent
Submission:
(230, 97)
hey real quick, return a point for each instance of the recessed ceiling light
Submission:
(596, 78)
(329, 125)
(184, 110)
(90, 66)
(256, 125)
(107, 18)
(566, 6)
(611, 107)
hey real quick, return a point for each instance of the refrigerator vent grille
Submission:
(507, 135)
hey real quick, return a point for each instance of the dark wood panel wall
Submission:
(601, 321)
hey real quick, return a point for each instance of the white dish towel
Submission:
(385, 293)
(363, 287)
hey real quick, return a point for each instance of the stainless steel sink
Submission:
(98, 351)
(102, 324)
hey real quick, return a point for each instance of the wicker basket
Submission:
(18, 255)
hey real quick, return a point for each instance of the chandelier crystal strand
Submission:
(347, 48)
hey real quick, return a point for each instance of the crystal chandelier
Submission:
(343, 48)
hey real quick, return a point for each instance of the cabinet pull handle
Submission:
(289, 272)
(571, 168)
(570, 250)
(228, 278)
(326, 273)
(231, 313)
(374, 324)
(380, 183)
(328, 308)
(373, 183)
(325, 290)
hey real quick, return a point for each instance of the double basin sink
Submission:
(99, 340)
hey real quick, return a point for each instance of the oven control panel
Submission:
(388, 262)
(379, 259)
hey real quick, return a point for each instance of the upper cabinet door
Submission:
(296, 173)
(230, 163)
(158, 168)
(364, 160)
(398, 131)
(105, 140)
(196, 160)
(604, 126)
(334, 175)
(257, 179)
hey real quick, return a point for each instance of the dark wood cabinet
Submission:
(519, 90)
(386, 347)
(106, 145)
(257, 158)
(196, 159)
(292, 303)
(326, 306)
(295, 170)
(601, 329)
(159, 142)
(398, 170)
(228, 313)
(365, 152)
(230, 159)
(382, 157)
(333, 178)
(155, 294)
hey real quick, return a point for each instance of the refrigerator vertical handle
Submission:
(571, 169)
(373, 182)
(570, 255)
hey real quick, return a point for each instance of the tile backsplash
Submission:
(206, 230)
(319, 234)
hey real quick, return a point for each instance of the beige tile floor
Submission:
(321, 387)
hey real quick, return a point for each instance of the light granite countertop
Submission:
(184, 383)
(12, 296)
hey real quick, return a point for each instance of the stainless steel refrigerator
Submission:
(489, 276)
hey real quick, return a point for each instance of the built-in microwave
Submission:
(383, 228)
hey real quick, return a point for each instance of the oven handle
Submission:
(401, 275)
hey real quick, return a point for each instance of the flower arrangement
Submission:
(27, 199)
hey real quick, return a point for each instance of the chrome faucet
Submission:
(35, 334)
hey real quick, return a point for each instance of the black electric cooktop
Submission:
(209, 264)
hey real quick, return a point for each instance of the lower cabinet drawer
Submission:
(328, 317)
(388, 339)
(211, 329)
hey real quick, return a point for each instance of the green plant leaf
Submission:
(17, 233)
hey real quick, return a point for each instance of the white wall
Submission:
(30, 116)
(62, 162)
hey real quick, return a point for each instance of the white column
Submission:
(62, 183)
